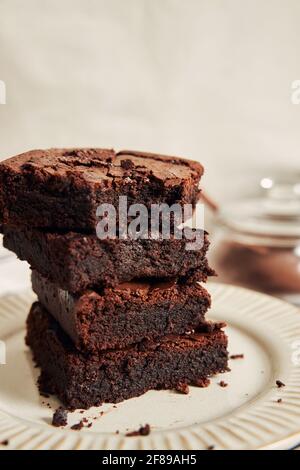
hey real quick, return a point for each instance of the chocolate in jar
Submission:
(257, 245)
(271, 269)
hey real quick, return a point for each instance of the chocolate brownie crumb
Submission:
(5, 442)
(60, 417)
(202, 383)
(143, 431)
(210, 447)
(236, 356)
(77, 426)
(280, 384)
(182, 388)
(89, 425)
(223, 384)
(279, 400)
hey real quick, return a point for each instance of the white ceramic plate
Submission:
(244, 415)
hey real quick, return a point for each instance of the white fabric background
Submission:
(209, 79)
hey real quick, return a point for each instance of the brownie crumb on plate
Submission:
(223, 384)
(279, 400)
(60, 417)
(210, 447)
(202, 383)
(5, 442)
(280, 384)
(143, 431)
(236, 356)
(182, 388)
(77, 426)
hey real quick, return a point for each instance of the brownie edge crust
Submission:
(84, 380)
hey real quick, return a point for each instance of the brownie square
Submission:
(62, 188)
(85, 380)
(75, 262)
(128, 313)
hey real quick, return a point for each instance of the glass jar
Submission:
(256, 243)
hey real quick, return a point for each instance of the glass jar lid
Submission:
(275, 213)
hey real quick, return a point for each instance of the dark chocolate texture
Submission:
(85, 380)
(75, 262)
(128, 313)
(62, 188)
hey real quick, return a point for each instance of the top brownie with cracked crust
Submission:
(62, 188)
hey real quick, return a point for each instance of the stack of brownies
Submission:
(115, 317)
